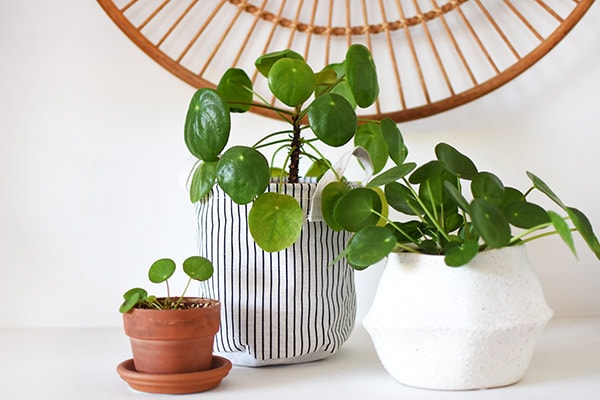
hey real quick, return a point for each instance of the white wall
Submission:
(91, 152)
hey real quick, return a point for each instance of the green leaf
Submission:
(340, 85)
(203, 180)
(456, 162)
(330, 196)
(542, 187)
(400, 198)
(361, 74)
(369, 137)
(161, 270)
(317, 169)
(526, 215)
(456, 196)
(491, 223)
(487, 186)
(511, 195)
(332, 119)
(198, 268)
(207, 125)
(132, 298)
(291, 81)
(563, 229)
(369, 246)
(584, 227)
(396, 148)
(392, 174)
(243, 173)
(235, 87)
(275, 221)
(265, 62)
(426, 171)
(458, 254)
(407, 232)
(354, 210)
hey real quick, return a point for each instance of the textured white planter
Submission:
(276, 308)
(471, 327)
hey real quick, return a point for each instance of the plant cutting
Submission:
(172, 337)
(458, 305)
(281, 304)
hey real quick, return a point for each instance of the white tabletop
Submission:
(80, 364)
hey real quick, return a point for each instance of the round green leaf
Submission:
(332, 193)
(395, 142)
(243, 173)
(369, 136)
(291, 81)
(332, 119)
(361, 75)
(235, 87)
(207, 125)
(487, 186)
(275, 221)
(526, 215)
(456, 162)
(161, 270)
(265, 62)
(456, 196)
(369, 246)
(392, 174)
(355, 209)
(198, 268)
(490, 222)
(426, 172)
(400, 198)
(203, 180)
(132, 298)
(458, 254)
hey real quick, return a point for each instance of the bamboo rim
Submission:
(422, 46)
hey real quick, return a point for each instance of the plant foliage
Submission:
(450, 208)
(318, 109)
(195, 267)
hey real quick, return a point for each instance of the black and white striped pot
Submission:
(276, 308)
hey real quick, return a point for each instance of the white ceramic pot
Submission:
(470, 327)
(276, 308)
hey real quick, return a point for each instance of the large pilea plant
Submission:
(318, 109)
(447, 207)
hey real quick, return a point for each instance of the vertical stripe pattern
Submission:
(277, 308)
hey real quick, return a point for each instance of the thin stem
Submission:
(257, 144)
(518, 237)
(309, 144)
(183, 293)
(431, 218)
(396, 227)
(272, 143)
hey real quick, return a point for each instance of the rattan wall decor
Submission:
(431, 55)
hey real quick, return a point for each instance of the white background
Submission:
(91, 154)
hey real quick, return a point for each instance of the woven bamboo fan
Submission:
(431, 55)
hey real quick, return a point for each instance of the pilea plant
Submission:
(195, 267)
(438, 218)
(318, 109)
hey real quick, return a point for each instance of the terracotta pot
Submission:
(173, 341)
(470, 327)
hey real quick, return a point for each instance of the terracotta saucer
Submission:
(191, 382)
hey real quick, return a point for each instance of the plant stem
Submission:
(182, 294)
(295, 149)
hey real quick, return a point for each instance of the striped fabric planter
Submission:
(277, 308)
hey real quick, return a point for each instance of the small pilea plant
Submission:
(438, 218)
(196, 268)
